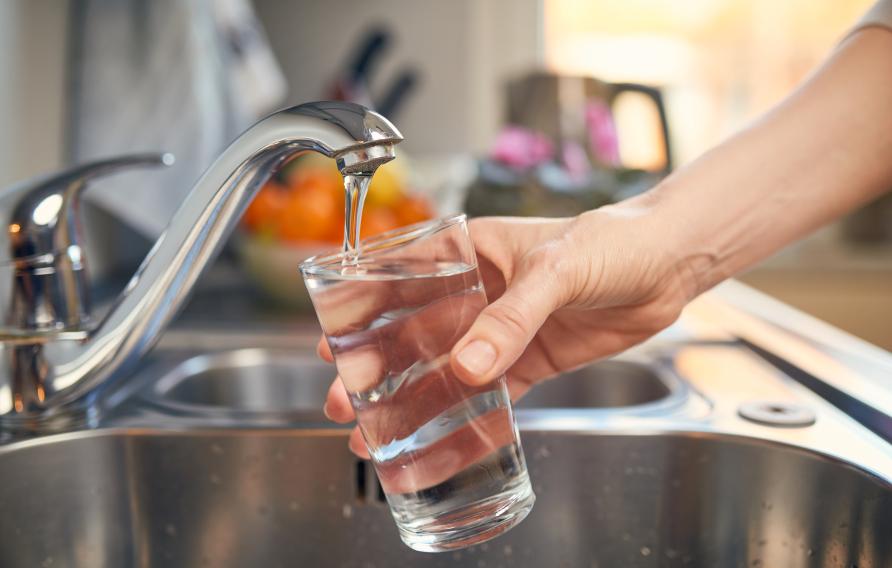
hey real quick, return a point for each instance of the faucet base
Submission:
(67, 419)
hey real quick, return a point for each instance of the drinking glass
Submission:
(447, 454)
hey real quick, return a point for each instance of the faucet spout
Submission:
(62, 371)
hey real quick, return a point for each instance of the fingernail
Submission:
(325, 411)
(477, 357)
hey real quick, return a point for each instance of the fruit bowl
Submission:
(273, 267)
(300, 213)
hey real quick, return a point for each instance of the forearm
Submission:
(822, 152)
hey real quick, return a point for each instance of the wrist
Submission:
(668, 226)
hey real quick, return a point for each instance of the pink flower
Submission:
(602, 133)
(521, 148)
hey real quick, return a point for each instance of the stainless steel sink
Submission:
(281, 381)
(608, 384)
(246, 381)
(122, 498)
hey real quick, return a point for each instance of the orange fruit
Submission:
(263, 212)
(308, 215)
(413, 209)
(377, 220)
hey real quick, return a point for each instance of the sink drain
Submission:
(777, 414)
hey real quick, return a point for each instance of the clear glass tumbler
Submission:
(447, 454)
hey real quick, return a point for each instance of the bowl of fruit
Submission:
(299, 213)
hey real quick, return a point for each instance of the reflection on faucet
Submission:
(52, 363)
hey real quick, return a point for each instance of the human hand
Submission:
(563, 292)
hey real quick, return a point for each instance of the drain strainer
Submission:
(777, 414)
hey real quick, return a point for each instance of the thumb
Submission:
(502, 331)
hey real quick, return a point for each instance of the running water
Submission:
(447, 453)
(356, 186)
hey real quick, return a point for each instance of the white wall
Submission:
(464, 48)
(32, 81)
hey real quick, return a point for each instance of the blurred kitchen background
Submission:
(525, 107)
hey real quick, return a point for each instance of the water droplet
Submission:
(215, 479)
(542, 453)
(507, 550)
(645, 551)
(331, 488)
(217, 449)
(811, 552)
(294, 506)
(347, 511)
(170, 529)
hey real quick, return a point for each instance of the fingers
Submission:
(338, 408)
(324, 351)
(503, 330)
(357, 444)
(337, 404)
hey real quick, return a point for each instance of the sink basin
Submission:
(271, 498)
(246, 381)
(608, 384)
(266, 381)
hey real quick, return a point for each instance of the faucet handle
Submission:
(43, 277)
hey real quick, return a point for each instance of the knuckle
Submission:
(550, 267)
(510, 317)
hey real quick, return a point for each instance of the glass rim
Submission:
(386, 241)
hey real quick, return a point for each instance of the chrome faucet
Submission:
(52, 357)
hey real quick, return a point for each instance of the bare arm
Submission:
(820, 153)
(570, 291)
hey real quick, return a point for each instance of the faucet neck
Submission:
(357, 138)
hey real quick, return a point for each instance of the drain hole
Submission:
(773, 413)
(368, 488)
(360, 481)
